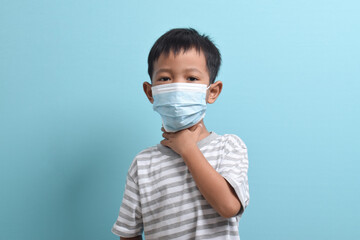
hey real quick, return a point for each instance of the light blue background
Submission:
(73, 114)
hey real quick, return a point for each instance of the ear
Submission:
(214, 91)
(147, 89)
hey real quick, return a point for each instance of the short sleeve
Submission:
(234, 168)
(129, 221)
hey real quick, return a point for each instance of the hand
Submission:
(182, 141)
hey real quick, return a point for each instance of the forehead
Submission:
(183, 58)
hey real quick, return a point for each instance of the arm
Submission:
(215, 189)
(129, 224)
(134, 238)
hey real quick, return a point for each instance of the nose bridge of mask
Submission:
(178, 87)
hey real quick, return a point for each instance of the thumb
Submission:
(199, 127)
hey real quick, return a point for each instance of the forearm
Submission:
(215, 189)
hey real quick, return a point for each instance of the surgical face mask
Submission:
(180, 105)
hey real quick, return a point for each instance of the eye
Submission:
(163, 79)
(192, 79)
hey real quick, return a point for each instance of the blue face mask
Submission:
(180, 105)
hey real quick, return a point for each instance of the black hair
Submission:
(178, 39)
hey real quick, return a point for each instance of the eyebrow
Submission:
(193, 69)
(167, 70)
(162, 70)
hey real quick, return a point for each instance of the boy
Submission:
(193, 185)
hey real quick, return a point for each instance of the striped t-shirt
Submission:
(162, 200)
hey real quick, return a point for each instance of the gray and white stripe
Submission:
(162, 199)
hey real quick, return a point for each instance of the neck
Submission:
(204, 132)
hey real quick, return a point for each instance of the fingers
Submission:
(165, 142)
(199, 127)
(166, 135)
(196, 127)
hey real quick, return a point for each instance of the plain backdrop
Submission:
(73, 114)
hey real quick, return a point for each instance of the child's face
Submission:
(185, 67)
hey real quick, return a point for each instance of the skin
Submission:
(190, 67)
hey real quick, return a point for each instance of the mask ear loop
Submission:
(207, 93)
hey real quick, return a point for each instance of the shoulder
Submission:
(235, 153)
(147, 153)
(141, 159)
(232, 140)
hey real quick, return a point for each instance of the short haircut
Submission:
(178, 39)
